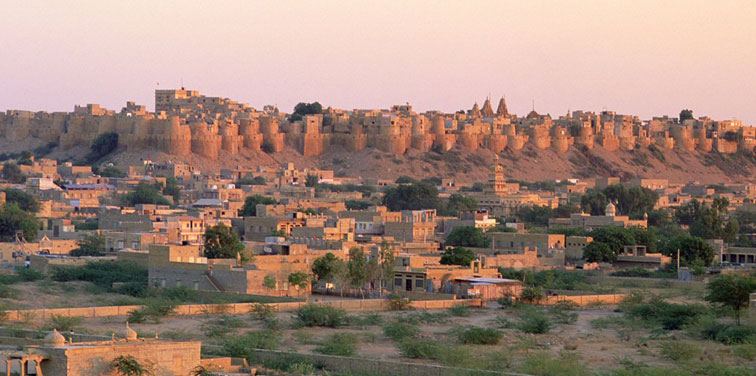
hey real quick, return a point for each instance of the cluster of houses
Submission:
(304, 223)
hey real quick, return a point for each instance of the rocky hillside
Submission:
(529, 164)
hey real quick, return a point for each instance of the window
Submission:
(397, 281)
(419, 283)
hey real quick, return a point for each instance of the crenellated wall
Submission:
(209, 130)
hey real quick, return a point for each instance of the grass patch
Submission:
(566, 364)
(479, 336)
(241, 346)
(678, 350)
(341, 344)
(426, 317)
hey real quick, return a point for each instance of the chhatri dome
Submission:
(55, 338)
(610, 210)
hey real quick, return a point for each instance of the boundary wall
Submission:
(231, 308)
(241, 308)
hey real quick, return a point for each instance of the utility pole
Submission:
(678, 263)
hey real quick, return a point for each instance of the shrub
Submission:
(321, 315)
(535, 323)
(532, 294)
(261, 311)
(459, 311)
(730, 335)
(128, 365)
(64, 323)
(399, 331)
(678, 350)
(270, 323)
(398, 303)
(419, 349)
(241, 346)
(302, 368)
(103, 273)
(479, 336)
(670, 316)
(29, 275)
(341, 344)
(215, 331)
(561, 314)
(365, 319)
(154, 310)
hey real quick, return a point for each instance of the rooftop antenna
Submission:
(182, 83)
(533, 102)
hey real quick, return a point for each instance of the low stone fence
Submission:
(234, 308)
(271, 359)
(584, 300)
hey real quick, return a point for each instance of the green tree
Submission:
(599, 252)
(536, 215)
(90, 245)
(111, 172)
(457, 256)
(269, 281)
(326, 267)
(404, 179)
(357, 268)
(615, 237)
(633, 201)
(25, 158)
(458, 202)
(357, 204)
(731, 291)
(173, 189)
(388, 262)
(709, 221)
(303, 108)
(312, 180)
(127, 365)
(103, 145)
(222, 242)
(12, 173)
(26, 201)
(686, 115)
(144, 194)
(692, 249)
(13, 219)
(250, 204)
(414, 196)
(299, 279)
(468, 236)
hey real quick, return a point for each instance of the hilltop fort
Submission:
(188, 123)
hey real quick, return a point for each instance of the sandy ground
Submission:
(600, 349)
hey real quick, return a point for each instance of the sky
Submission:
(639, 57)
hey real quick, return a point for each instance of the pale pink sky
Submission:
(635, 57)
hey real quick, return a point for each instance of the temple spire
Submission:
(487, 111)
(502, 109)
(475, 112)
